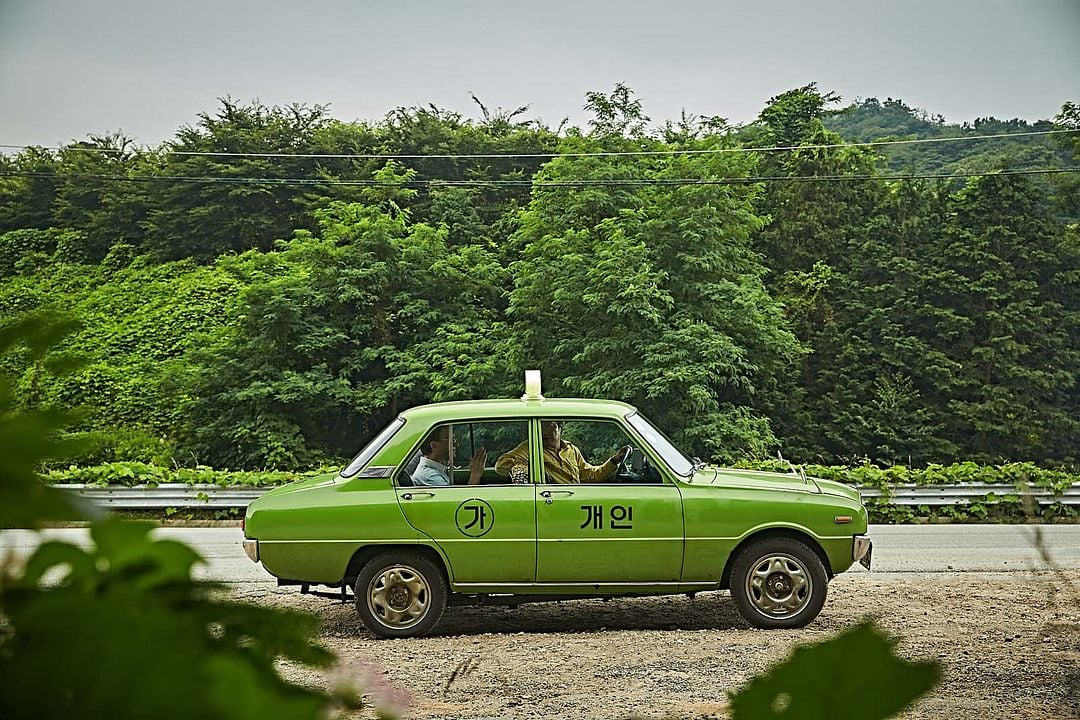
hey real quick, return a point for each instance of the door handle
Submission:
(546, 494)
(409, 495)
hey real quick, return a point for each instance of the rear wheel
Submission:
(778, 582)
(400, 594)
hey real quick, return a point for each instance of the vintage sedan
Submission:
(512, 501)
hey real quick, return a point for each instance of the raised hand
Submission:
(476, 466)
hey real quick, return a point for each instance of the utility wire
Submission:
(614, 153)
(532, 183)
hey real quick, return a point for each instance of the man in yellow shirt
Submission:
(563, 462)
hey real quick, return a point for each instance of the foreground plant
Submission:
(854, 675)
(122, 630)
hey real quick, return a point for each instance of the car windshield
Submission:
(659, 442)
(372, 447)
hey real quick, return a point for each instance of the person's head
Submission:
(551, 432)
(439, 445)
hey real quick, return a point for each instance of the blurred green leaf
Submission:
(127, 633)
(855, 675)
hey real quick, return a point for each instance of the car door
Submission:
(624, 529)
(487, 531)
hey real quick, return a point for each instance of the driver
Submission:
(563, 462)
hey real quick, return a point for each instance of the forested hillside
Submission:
(271, 286)
(948, 148)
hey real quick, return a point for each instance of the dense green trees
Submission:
(249, 297)
(339, 330)
(652, 293)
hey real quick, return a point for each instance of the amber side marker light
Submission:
(842, 519)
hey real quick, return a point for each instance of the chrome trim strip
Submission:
(673, 538)
(381, 541)
(696, 583)
(379, 471)
(415, 541)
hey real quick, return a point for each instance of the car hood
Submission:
(737, 477)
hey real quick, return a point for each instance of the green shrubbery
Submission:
(138, 473)
(253, 324)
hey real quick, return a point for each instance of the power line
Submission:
(309, 182)
(614, 153)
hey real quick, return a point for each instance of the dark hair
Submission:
(439, 433)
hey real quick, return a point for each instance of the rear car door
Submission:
(487, 531)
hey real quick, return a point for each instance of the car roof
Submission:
(519, 409)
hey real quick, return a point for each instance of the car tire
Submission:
(400, 594)
(778, 582)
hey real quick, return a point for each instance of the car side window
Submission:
(465, 453)
(487, 442)
(592, 451)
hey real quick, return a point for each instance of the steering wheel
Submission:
(625, 472)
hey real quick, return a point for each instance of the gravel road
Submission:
(972, 597)
(1009, 644)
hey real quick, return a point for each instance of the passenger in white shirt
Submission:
(437, 450)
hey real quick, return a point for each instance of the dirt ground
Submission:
(1009, 644)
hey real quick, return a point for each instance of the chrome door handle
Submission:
(546, 494)
(409, 495)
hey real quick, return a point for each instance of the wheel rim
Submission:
(779, 586)
(399, 597)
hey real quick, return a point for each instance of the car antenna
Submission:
(794, 470)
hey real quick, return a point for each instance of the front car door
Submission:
(617, 529)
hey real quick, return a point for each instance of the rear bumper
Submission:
(862, 550)
(251, 549)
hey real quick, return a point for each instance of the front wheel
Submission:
(778, 582)
(400, 594)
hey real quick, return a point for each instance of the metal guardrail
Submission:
(213, 497)
(171, 495)
(967, 493)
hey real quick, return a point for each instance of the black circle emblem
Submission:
(474, 517)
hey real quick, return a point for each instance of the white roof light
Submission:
(532, 386)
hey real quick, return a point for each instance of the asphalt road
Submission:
(898, 549)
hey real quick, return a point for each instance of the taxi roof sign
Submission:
(532, 386)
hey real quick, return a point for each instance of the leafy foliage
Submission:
(341, 330)
(128, 633)
(234, 320)
(30, 434)
(121, 630)
(807, 686)
(874, 120)
(652, 294)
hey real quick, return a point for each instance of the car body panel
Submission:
(487, 532)
(609, 533)
(673, 535)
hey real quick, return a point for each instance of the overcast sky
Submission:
(69, 68)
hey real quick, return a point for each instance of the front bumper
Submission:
(862, 550)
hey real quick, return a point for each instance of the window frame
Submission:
(400, 469)
(629, 432)
(373, 448)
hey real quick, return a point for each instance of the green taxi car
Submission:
(512, 501)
